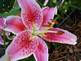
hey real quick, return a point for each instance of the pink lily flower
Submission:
(31, 29)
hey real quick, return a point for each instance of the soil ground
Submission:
(69, 52)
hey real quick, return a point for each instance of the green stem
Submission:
(4, 38)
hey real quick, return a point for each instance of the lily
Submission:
(31, 29)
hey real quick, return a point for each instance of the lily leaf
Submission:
(14, 11)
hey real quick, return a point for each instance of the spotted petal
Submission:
(41, 53)
(22, 46)
(60, 36)
(14, 24)
(48, 14)
(31, 13)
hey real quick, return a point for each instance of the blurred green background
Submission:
(9, 7)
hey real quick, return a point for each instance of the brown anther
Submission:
(50, 24)
(55, 22)
(60, 33)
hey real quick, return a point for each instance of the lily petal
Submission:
(31, 13)
(14, 24)
(48, 14)
(60, 36)
(4, 58)
(41, 53)
(2, 22)
(22, 46)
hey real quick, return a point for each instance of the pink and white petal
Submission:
(22, 46)
(1, 41)
(14, 24)
(60, 36)
(41, 53)
(31, 13)
(48, 14)
(2, 23)
(45, 3)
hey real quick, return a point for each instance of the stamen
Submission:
(45, 31)
(60, 33)
(50, 24)
(54, 22)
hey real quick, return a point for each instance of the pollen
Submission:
(53, 23)
(60, 33)
(50, 24)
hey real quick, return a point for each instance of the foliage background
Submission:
(9, 7)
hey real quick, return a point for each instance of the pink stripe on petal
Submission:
(31, 13)
(62, 36)
(14, 24)
(41, 53)
(22, 46)
(48, 14)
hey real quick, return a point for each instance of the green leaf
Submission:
(28, 59)
(14, 11)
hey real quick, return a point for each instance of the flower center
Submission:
(36, 32)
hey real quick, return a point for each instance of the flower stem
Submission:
(4, 38)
